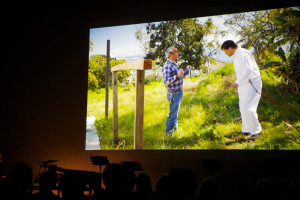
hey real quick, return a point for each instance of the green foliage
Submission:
(280, 52)
(253, 28)
(287, 20)
(208, 117)
(267, 29)
(274, 36)
(288, 34)
(288, 70)
(185, 34)
(149, 78)
(226, 70)
(270, 57)
(97, 71)
(271, 64)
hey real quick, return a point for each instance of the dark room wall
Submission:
(44, 87)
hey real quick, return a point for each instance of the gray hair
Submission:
(168, 51)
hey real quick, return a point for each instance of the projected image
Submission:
(219, 82)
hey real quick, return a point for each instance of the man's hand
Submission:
(180, 73)
(234, 85)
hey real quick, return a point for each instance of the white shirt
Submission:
(245, 67)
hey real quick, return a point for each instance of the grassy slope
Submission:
(209, 117)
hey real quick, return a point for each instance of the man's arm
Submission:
(180, 73)
(234, 85)
(244, 69)
(187, 70)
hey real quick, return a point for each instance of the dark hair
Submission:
(227, 44)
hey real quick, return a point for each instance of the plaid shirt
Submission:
(170, 71)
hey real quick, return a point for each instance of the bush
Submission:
(97, 71)
(150, 78)
(225, 71)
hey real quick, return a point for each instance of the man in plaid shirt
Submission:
(173, 80)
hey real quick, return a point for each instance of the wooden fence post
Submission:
(139, 109)
(115, 107)
(107, 78)
(140, 67)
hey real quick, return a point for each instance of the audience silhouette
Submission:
(129, 181)
(265, 189)
(210, 189)
(122, 183)
(161, 187)
(69, 186)
(182, 183)
(47, 183)
(19, 182)
(143, 186)
(83, 181)
(95, 188)
(113, 179)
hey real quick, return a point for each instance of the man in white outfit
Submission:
(249, 86)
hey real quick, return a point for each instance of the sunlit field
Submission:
(209, 116)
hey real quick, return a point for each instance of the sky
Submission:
(124, 45)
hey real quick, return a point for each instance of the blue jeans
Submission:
(174, 98)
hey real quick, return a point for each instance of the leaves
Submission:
(281, 53)
(274, 36)
(185, 34)
(97, 71)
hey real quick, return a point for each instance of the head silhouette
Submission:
(210, 189)
(113, 177)
(182, 183)
(143, 183)
(161, 187)
(19, 180)
(70, 187)
(48, 180)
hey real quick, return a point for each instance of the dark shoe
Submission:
(244, 133)
(253, 137)
(169, 133)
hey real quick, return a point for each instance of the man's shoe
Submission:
(253, 137)
(244, 133)
(169, 133)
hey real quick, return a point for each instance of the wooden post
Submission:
(107, 78)
(140, 67)
(139, 109)
(115, 107)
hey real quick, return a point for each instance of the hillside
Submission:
(209, 116)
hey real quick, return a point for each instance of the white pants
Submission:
(249, 96)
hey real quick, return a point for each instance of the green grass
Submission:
(209, 116)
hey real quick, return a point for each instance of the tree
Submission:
(287, 35)
(255, 29)
(211, 43)
(96, 73)
(288, 32)
(275, 37)
(143, 38)
(185, 34)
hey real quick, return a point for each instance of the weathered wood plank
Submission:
(115, 107)
(135, 65)
(139, 110)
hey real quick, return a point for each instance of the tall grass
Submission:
(209, 116)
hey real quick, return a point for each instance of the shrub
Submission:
(149, 78)
(225, 71)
